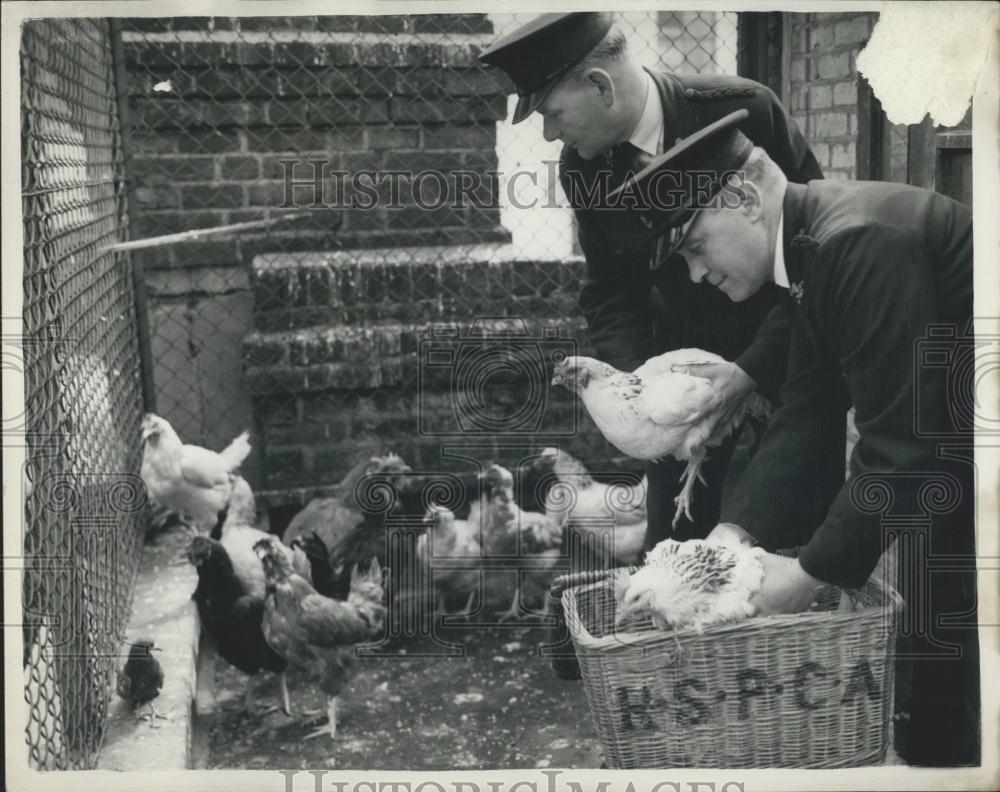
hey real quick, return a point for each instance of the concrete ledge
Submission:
(163, 611)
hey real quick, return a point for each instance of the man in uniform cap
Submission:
(877, 279)
(578, 71)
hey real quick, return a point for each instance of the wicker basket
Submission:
(811, 689)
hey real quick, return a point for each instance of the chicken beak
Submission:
(557, 378)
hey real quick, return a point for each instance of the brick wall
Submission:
(822, 84)
(354, 92)
(340, 363)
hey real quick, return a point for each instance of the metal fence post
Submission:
(138, 270)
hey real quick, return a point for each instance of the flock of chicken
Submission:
(304, 601)
(266, 605)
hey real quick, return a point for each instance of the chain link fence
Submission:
(82, 538)
(309, 332)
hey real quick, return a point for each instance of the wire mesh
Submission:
(82, 391)
(309, 334)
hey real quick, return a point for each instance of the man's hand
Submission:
(730, 534)
(787, 587)
(727, 379)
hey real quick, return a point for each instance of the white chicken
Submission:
(692, 584)
(447, 537)
(189, 479)
(654, 411)
(509, 531)
(590, 506)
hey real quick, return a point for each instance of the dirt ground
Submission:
(499, 706)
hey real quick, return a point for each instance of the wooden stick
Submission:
(198, 233)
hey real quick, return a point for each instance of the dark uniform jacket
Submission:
(633, 311)
(873, 268)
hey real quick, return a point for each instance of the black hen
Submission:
(232, 616)
(323, 579)
(141, 678)
(368, 539)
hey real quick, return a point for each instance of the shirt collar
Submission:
(780, 273)
(648, 134)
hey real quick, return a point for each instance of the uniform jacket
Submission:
(878, 272)
(620, 286)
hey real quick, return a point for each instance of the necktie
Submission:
(635, 158)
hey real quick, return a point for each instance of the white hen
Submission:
(590, 505)
(447, 537)
(692, 584)
(189, 479)
(654, 412)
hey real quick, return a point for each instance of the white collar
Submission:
(780, 273)
(648, 134)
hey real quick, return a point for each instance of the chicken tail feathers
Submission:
(216, 532)
(238, 450)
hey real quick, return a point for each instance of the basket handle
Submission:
(573, 579)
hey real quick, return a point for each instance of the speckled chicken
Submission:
(692, 584)
(316, 634)
(654, 412)
(188, 479)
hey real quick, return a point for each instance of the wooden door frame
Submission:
(869, 148)
(759, 47)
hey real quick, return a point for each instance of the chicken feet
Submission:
(331, 726)
(151, 716)
(286, 707)
(517, 613)
(683, 501)
(463, 615)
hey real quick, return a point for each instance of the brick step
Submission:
(318, 51)
(435, 283)
(295, 469)
(519, 351)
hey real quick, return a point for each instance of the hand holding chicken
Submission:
(692, 584)
(657, 410)
(728, 380)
